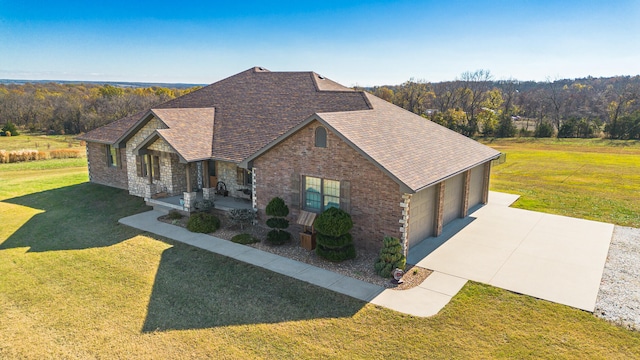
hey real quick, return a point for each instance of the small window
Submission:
(112, 156)
(141, 165)
(155, 166)
(321, 194)
(321, 137)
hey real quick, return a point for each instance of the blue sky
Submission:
(361, 43)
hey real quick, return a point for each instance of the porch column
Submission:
(205, 174)
(188, 166)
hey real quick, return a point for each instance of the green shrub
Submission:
(277, 223)
(333, 222)
(203, 223)
(334, 242)
(241, 216)
(391, 257)
(203, 205)
(244, 239)
(174, 215)
(544, 130)
(10, 129)
(278, 237)
(276, 207)
(336, 255)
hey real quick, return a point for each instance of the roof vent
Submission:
(320, 77)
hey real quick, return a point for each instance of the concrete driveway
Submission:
(552, 257)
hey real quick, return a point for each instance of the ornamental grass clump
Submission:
(391, 257)
(278, 210)
(203, 223)
(334, 242)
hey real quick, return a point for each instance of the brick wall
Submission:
(374, 197)
(100, 172)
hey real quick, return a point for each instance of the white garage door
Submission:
(476, 186)
(422, 215)
(453, 198)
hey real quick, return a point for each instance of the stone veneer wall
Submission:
(137, 184)
(227, 173)
(100, 172)
(374, 197)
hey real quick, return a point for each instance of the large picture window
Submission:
(321, 194)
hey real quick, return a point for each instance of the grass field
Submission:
(38, 142)
(592, 179)
(76, 284)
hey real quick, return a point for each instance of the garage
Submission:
(423, 217)
(453, 196)
(476, 186)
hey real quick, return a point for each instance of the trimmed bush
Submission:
(277, 209)
(203, 223)
(277, 223)
(334, 242)
(390, 258)
(174, 215)
(278, 237)
(203, 205)
(333, 222)
(336, 255)
(244, 239)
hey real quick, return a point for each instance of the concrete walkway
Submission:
(551, 257)
(427, 299)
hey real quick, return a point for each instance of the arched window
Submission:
(321, 137)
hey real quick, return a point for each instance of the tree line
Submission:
(476, 104)
(75, 108)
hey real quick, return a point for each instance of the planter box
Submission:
(308, 240)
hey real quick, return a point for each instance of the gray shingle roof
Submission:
(190, 131)
(413, 149)
(257, 108)
(110, 133)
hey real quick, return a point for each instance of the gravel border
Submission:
(360, 268)
(619, 296)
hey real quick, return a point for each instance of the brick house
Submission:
(306, 139)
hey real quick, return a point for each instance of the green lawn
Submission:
(591, 179)
(75, 284)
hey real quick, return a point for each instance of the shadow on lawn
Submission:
(75, 217)
(193, 288)
(196, 289)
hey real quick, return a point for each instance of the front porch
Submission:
(225, 203)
